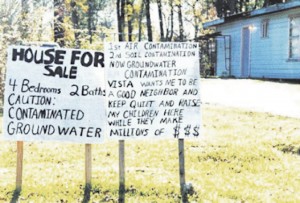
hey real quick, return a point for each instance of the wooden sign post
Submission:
(183, 191)
(121, 171)
(19, 171)
(88, 166)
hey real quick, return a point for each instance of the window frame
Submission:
(293, 37)
(264, 28)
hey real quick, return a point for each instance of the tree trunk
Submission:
(266, 3)
(241, 5)
(180, 21)
(130, 13)
(170, 31)
(196, 21)
(75, 21)
(161, 24)
(90, 19)
(24, 28)
(271, 2)
(121, 19)
(149, 29)
(59, 32)
(232, 6)
(219, 8)
(140, 21)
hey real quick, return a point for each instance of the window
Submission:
(264, 28)
(294, 40)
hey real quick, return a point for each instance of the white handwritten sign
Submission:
(54, 94)
(152, 90)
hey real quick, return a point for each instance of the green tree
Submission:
(22, 22)
(84, 23)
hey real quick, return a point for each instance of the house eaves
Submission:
(263, 11)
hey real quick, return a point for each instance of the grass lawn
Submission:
(242, 157)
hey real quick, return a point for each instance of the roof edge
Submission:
(213, 23)
(262, 11)
(275, 8)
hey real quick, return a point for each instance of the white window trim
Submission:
(297, 58)
(264, 28)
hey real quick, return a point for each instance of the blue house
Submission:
(263, 43)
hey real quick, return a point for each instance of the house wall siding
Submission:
(268, 56)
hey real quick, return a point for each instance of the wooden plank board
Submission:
(121, 171)
(183, 192)
(88, 165)
(19, 171)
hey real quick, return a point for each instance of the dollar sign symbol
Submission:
(196, 131)
(176, 131)
(187, 130)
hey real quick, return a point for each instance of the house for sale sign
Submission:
(54, 94)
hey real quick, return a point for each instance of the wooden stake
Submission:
(121, 171)
(183, 192)
(88, 165)
(19, 166)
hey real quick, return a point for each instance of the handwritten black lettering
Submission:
(61, 71)
(37, 88)
(87, 59)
